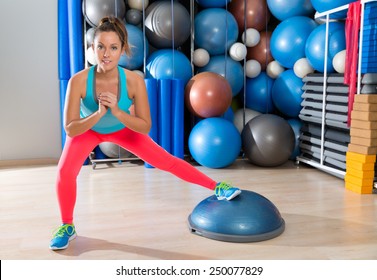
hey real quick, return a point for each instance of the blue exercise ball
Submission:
(212, 3)
(315, 45)
(283, 9)
(214, 142)
(296, 125)
(287, 92)
(227, 67)
(136, 40)
(216, 30)
(249, 217)
(168, 64)
(325, 5)
(287, 43)
(259, 93)
(167, 24)
(268, 140)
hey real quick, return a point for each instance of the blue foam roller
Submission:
(63, 89)
(249, 217)
(63, 41)
(75, 36)
(178, 118)
(164, 113)
(151, 85)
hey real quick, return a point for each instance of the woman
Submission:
(97, 110)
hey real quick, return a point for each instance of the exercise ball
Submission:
(213, 34)
(283, 9)
(208, 94)
(288, 39)
(89, 36)
(242, 117)
(200, 57)
(339, 61)
(214, 142)
(302, 67)
(251, 37)
(261, 51)
(227, 67)
(90, 56)
(325, 5)
(212, 3)
(228, 115)
(136, 41)
(252, 68)
(138, 4)
(134, 16)
(258, 93)
(249, 217)
(274, 69)
(315, 45)
(95, 10)
(268, 140)
(112, 150)
(287, 92)
(256, 12)
(168, 64)
(296, 125)
(167, 24)
(238, 51)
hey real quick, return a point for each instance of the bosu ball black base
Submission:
(249, 217)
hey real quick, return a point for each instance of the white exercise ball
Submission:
(274, 69)
(138, 4)
(200, 57)
(252, 68)
(339, 61)
(238, 51)
(251, 37)
(302, 67)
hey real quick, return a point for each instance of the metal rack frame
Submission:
(326, 14)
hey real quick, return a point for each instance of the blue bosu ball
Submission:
(249, 217)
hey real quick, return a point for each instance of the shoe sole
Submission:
(66, 246)
(236, 193)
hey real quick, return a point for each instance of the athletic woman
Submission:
(97, 109)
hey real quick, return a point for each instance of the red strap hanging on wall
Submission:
(352, 45)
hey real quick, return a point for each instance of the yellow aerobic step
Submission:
(360, 157)
(362, 182)
(363, 174)
(358, 189)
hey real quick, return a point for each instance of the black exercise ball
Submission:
(268, 140)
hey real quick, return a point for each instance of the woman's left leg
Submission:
(146, 149)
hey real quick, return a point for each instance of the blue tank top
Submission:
(108, 123)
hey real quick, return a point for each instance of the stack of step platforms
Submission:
(362, 150)
(336, 135)
(369, 49)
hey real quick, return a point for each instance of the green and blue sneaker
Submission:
(225, 191)
(62, 236)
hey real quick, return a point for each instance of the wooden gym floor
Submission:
(128, 211)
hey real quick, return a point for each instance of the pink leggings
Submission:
(77, 149)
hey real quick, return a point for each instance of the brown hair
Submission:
(114, 24)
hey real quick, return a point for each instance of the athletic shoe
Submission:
(226, 191)
(62, 236)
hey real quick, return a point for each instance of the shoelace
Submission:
(59, 232)
(223, 186)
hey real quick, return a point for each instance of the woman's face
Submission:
(107, 49)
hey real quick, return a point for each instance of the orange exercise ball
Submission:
(257, 13)
(261, 52)
(208, 94)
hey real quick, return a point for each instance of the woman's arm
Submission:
(73, 124)
(140, 121)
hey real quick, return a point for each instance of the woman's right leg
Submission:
(74, 154)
